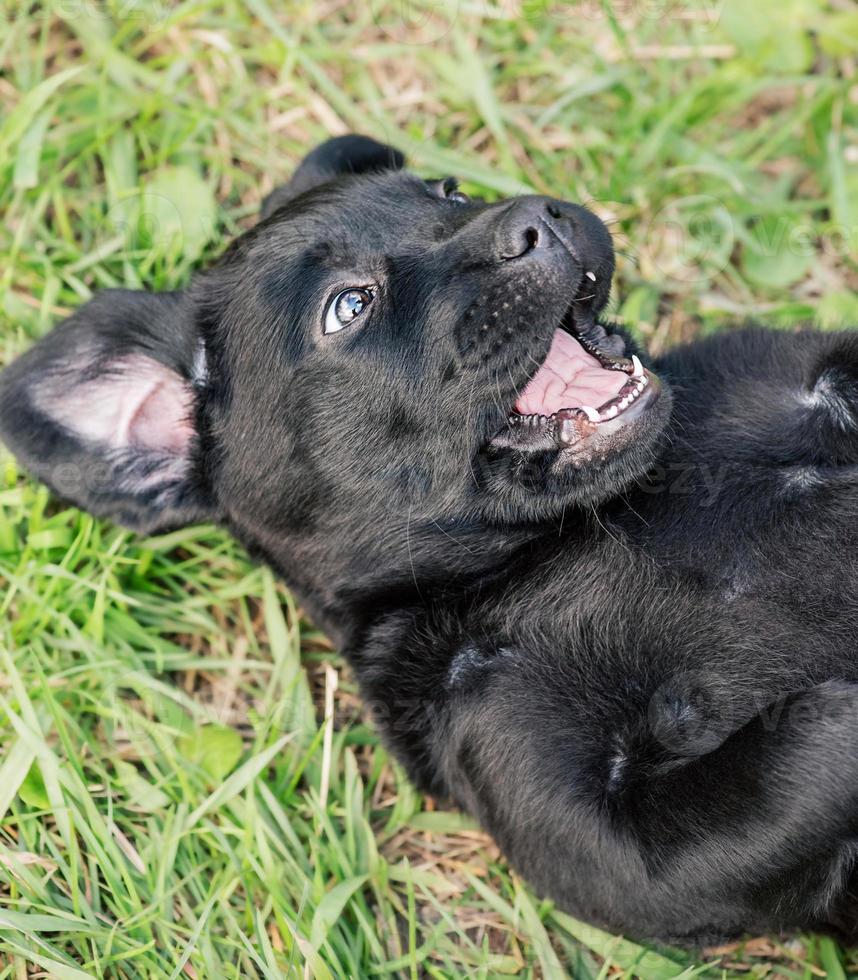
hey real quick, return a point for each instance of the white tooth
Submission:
(591, 413)
(612, 411)
(639, 371)
(591, 276)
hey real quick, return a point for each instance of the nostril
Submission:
(519, 242)
(553, 210)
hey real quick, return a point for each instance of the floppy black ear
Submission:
(352, 154)
(103, 410)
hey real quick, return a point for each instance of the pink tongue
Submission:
(569, 378)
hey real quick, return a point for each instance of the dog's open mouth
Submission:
(584, 387)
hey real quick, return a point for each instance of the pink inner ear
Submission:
(137, 403)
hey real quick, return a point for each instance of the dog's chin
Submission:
(585, 425)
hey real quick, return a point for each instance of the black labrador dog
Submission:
(606, 604)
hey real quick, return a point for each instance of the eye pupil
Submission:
(350, 304)
(345, 308)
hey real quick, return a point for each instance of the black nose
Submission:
(535, 222)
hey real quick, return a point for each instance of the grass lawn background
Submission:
(173, 801)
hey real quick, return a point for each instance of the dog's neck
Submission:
(343, 584)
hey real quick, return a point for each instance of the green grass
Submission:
(173, 801)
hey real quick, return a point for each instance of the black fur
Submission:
(640, 672)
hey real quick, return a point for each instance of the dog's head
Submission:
(379, 351)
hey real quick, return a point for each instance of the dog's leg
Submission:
(829, 402)
(760, 833)
(801, 410)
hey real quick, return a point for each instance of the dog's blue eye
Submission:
(346, 308)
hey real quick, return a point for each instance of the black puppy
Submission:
(618, 625)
